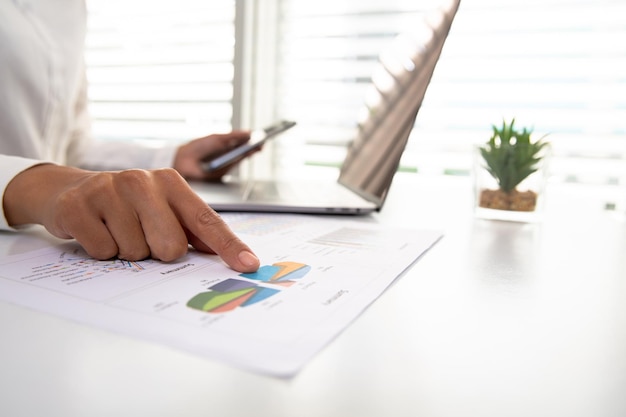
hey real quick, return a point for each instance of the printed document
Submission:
(317, 275)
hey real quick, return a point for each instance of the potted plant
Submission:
(510, 158)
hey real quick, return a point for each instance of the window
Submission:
(160, 69)
(327, 55)
(556, 66)
(166, 69)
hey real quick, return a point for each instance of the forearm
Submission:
(28, 194)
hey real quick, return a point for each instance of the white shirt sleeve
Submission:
(103, 156)
(11, 166)
(43, 97)
(85, 152)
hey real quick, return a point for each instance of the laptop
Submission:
(397, 90)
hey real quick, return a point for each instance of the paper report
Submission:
(317, 275)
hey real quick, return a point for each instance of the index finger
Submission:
(208, 229)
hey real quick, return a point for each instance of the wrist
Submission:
(27, 195)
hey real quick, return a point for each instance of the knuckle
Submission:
(97, 184)
(169, 243)
(230, 242)
(222, 232)
(167, 172)
(170, 250)
(211, 222)
(101, 252)
(134, 181)
(168, 176)
(134, 254)
(148, 184)
(207, 218)
(84, 196)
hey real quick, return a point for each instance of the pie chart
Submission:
(280, 273)
(232, 293)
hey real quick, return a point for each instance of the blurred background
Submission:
(172, 70)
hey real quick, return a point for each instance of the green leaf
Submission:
(510, 156)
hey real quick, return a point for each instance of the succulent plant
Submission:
(510, 156)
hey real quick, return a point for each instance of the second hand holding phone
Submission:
(257, 139)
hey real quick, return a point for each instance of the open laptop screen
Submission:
(398, 87)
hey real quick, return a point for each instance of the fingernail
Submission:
(249, 259)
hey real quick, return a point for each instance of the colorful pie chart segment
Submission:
(230, 294)
(281, 273)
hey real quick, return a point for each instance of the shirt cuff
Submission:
(11, 167)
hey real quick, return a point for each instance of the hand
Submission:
(131, 214)
(190, 156)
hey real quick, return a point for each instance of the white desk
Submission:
(498, 319)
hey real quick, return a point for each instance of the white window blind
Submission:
(557, 66)
(164, 69)
(160, 69)
(327, 56)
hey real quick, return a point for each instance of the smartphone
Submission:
(257, 139)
